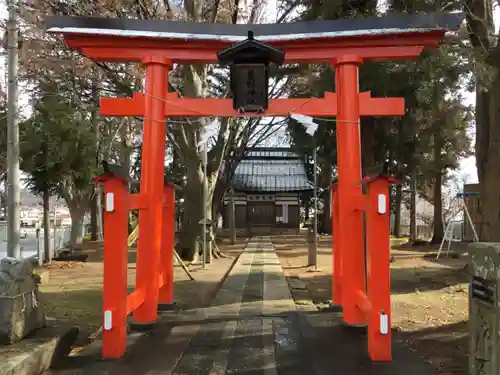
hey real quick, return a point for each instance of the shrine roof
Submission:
(271, 170)
(160, 29)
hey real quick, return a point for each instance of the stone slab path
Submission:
(251, 328)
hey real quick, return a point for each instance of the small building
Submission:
(267, 185)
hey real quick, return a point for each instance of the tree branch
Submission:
(287, 12)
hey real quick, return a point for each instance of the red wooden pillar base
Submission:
(114, 334)
(379, 274)
(167, 249)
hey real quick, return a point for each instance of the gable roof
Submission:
(160, 29)
(271, 170)
(250, 48)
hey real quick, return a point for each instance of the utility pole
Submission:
(206, 255)
(13, 172)
(313, 242)
(315, 228)
(232, 216)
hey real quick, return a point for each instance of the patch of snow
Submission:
(232, 38)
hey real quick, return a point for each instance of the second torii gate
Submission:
(345, 44)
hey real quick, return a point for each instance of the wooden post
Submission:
(114, 334)
(349, 185)
(379, 275)
(336, 249)
(153, 161)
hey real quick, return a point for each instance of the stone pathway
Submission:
(250, 328)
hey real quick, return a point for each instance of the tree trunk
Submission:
(487, 156)
(438, 210)
(4, 197)
(413, 206)
(327, 181)
(219, 192)
(46, 226)
(480, 22)
(77, 213)
(125, 156)
(438, 189)
(96, 216)
(398, 200)
(190, 231)
(93, 217)
(224, 182)
(101, 207)
(126, 146)
(96, 222)
(99, 213)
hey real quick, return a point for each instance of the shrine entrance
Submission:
(261, 214)
(248, 50)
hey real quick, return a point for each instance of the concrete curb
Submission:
(37, 353)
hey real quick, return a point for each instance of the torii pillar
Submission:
(152, 186)
(347, 104)
(350, 194)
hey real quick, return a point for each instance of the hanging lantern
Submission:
(249, 75)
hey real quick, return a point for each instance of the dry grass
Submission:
(73, 293)
(429, 298)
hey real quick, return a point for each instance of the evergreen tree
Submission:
(58, 151)
(402, 142)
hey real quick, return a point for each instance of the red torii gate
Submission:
(346, 44)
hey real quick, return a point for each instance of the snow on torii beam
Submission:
(396, 36)
(175, 106)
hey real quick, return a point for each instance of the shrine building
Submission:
(267, 185)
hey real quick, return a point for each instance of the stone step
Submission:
(36, 353)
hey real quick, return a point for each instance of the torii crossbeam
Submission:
(345, 44)
(175, 106)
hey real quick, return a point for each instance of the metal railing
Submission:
(32, 241)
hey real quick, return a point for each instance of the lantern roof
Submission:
(160, 29)
(251, 50)
(112, 170)
(115, 170)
